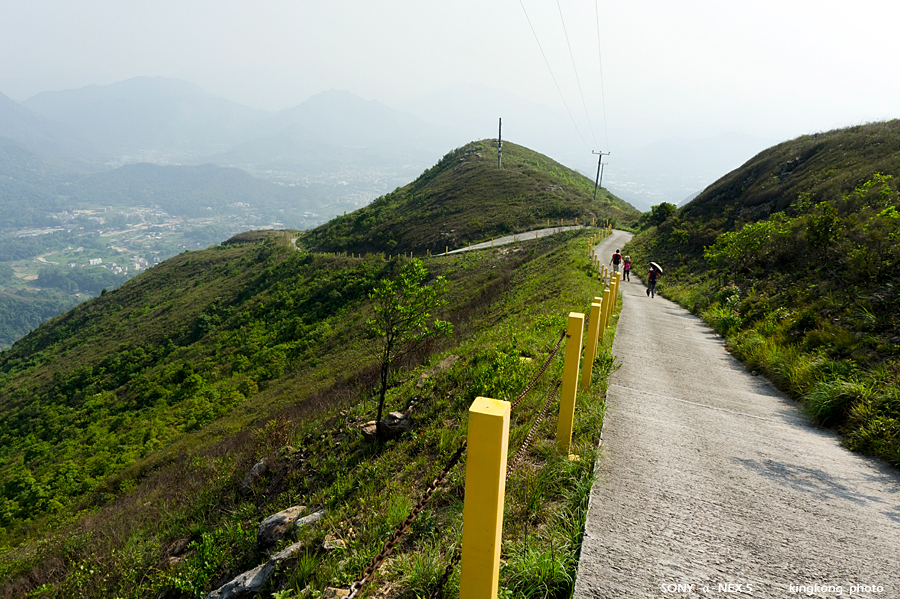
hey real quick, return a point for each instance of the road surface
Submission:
(712, 483)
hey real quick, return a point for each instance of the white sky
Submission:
(688, 68)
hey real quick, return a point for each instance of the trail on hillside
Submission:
(506, 239)
(712, 483)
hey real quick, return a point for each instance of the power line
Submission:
(574, 68)
(562, 97)
(600, 59)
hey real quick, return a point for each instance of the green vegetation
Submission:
(466, 198)
(129, 423)
(402, 320)
(794, 257)
(24, 310)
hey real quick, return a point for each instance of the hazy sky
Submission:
(689, 68)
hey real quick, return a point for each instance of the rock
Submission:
(251, 581)
(369, 431)
(255, 475)
(307, 520)
(393, 425)
(275, 527)
(333, 593)
(244, 584)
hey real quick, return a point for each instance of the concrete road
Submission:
(712, 483)
(515, 238)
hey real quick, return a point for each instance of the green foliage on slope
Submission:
(795, 257)
(146, 407)
(466, 198)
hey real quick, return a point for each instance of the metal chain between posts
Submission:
(514, 463)
(369, 572)
(540, 374)
(457, 555)
(448, 571)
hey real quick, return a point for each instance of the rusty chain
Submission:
(540, 374)
(514, 463)
(388, 548)
(448, 571)
(369, 572)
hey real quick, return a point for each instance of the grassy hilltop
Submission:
(794, 256)
(465, 198)
(128, 424)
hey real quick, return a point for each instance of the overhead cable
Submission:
(574, 68)
(552, 75)
(599, 58)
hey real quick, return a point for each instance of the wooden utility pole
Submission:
(597, 180)
(499, 141)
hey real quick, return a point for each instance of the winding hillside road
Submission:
(712, 483)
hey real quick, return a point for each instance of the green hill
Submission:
(465, 198)
(795, 257)
(128, 424)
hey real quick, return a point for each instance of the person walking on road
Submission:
(626, 268)
(616, 258)
(652, 275)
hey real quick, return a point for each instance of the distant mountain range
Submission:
(169, 121)
(338, 136)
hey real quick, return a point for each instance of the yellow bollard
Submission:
(566, 421)
(599, 300)
(488, 439)
(615, 291)
(590, 348)
(604, 322)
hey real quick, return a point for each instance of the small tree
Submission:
(403, 319)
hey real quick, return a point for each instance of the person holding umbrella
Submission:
(652, 275)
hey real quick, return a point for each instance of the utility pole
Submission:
(600, 156)
(601, 173)
(499, 142)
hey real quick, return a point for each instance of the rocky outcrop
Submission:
(276, 527)
(251, 581)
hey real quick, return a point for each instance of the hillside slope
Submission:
(466, 198)
(795, 256)
(128, 424)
